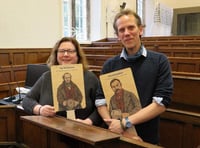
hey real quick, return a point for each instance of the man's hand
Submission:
(114, 125)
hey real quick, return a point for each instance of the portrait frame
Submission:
(125, 76)
(76, 71)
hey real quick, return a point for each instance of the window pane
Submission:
(67, 19)
(75, 19)
(140, 6)
(81, 19)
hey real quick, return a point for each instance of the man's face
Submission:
(67, 78)
(129, 32)
(116, 86)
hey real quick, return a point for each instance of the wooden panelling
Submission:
(9, 89)
(179, 126)
(110, 43)
(97, 60)
(186, 90)
(171, 43)
(180, 129)
(179, 64)
(38, 132)
(23, 56)
(171, 38)
(179, 51)
(185, 64)
(7, 123)
(102, 50)
(169, 51)
(184, 94)
(12, 73)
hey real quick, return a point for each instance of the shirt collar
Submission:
(142, 52)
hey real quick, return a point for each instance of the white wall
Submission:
(29, 23)
(180, 3)
(96, 14)
(38, 23)
(149, 11)
(112, 8)
(102, 15)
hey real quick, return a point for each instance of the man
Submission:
(123, 103)
(68, 94)
(152, 76)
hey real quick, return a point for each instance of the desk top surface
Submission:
(73, 129)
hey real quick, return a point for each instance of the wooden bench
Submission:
(158, 38)
(178, 51)
(109, 39)
(181, 64)
(107, 43)
(185, 64)
(184, 41)
(168, 51)
(186, 89)
(182, 116)
(181, 127)
(180, 43)
(171, 38)
(102, 50)
(97, 60)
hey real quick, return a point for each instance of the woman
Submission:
(39, 100)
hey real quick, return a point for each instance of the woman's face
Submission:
(67, 54)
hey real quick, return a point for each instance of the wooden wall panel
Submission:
(186, 90)
(4, 58)
(180, 129)
(7, 123)
(196, 137)
(171, 133)
(18, 58)
(24, 56)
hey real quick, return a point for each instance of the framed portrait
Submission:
(68, 87)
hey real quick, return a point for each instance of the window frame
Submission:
(70, 25)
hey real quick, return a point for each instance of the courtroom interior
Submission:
(29, 29)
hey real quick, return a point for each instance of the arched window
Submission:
(76, 19)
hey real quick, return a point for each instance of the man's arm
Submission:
(147, 113)
(103, 111)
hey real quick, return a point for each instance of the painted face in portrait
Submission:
(116, 86)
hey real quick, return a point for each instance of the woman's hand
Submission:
(47, 110)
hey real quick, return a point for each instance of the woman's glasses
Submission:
(62, 51)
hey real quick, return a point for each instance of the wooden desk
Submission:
(20, 130)
(51, 132)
